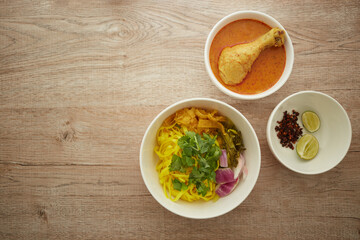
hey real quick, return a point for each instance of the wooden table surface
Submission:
(81, 81)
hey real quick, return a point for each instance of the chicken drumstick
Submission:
(235, 62)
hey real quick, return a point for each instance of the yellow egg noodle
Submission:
(173, 128)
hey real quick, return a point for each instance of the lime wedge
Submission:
(310, 121)
(307, 147)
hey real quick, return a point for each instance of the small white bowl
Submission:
(201, 209)
(334, 135)
(262, 17)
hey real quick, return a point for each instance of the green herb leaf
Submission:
(176, 164)
(191, 134)
(187, 151)
(183, 142)
(202, 188)
(189, 161)
(212, 176)
(196, 174)
(196, 148)
(179, 185)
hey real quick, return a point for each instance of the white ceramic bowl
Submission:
(262, 17)
(201, 209)
(334, 135)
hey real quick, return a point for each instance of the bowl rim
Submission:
(289, 54)
(270, 143)
(256, 176)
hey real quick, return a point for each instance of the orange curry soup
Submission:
(265, 71)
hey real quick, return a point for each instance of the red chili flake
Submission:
(288, 129)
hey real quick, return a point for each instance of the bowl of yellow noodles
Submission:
(200, 158)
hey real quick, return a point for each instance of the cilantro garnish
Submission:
(179, 185)
(196, 148)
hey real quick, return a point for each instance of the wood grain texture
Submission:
(80, 81)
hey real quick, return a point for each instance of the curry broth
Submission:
(265, 71)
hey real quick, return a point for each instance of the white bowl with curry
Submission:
(249, 55)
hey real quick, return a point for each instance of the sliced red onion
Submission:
(240, 167)
(224, 175)
(223, 159)
(225, 189)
